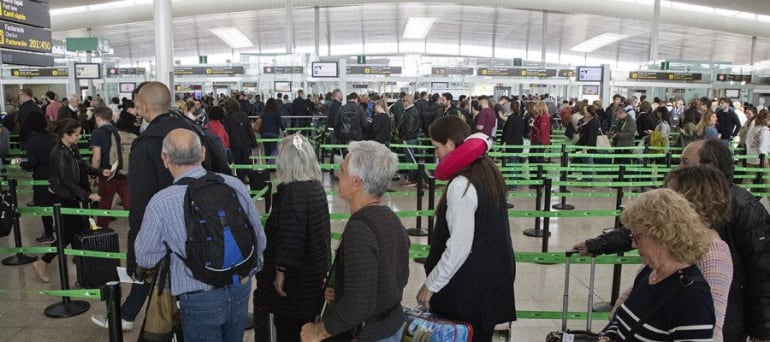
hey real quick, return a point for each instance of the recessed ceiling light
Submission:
(418, 27)
(597, 42)
(232, 36)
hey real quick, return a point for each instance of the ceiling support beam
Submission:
(544, 38)
(494, 31)
(317, 31)
(289, 26)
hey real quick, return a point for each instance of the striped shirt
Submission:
(717, 268)
(687, 316)
(164, 224)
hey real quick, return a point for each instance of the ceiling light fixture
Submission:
(418, 27)
(597, 42)
(232, 36)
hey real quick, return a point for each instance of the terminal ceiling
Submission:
(513, 28)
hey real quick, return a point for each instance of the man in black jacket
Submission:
(408, 130)
(70, 110)
(153, 102)
(748, 305)
(350, 124)
(27, 107)
(728, 123)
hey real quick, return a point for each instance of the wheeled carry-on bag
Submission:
(95, 272)
(575, 335)
(422, 326)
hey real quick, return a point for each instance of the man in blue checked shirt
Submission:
(208, 313)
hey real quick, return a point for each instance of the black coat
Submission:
(238, 127)
(645, 121)
(298, 239)
(38, 153)
(68, 177)
(25, 111)
(410, 124)
(513, 130)
(588, 133)
(381, 128)
(748, 304)
(66, 112)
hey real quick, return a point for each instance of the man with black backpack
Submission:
(350, 122)
(148, 176)
(209, 227)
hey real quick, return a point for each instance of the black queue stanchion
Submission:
(617, 268)
(67, 308)
(669, 159)
(537, 232)
(111, 295)
(431, 206)
(546, 220)
(760, 174)
(418, 231)
(18, 258)
(562, 205)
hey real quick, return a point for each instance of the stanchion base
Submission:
(559, 206)
(534, 232)
(19, 259)
(602, 307)
(249, 322)
(61, 310)
(417, 232)
(510, 205)
(420, 260)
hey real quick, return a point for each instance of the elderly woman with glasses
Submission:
(298, 250)
(670, 300)
(371, 266)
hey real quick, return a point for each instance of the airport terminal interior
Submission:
(630, 56)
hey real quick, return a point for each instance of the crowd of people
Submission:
(701, 238)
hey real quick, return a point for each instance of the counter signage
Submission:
(733, 78)
(26, 58)
(115, 72)
(40, 72)
(447, 71)
(283, 70)
(250, 85)
(566, 72)
(516, 72)
(373, 70)
(26, 12)
(209, 70)
(664, 76)
(22, 37)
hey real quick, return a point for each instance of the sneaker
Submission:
(409, 183)
(46, 240)
(42, 273)
(101, 320)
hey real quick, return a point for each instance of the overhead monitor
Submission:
(439, 85)
(88, 71)
(733, 93)
(589, 74)
(325, 69)
(282, 86)
(590, 90)
(127, 87)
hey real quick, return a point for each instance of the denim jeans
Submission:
(395, 337)
(134, 302)
(216, 315)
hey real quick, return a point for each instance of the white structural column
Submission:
(317, 22)
(164, 42)
(289, 27)
(545, 37)
(654, 31)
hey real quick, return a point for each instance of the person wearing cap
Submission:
(471, 216)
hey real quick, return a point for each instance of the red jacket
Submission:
(541, 130)
(216, 127)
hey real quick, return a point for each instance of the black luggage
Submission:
(575, 335)
(94, 272)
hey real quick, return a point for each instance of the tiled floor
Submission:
(538, 287)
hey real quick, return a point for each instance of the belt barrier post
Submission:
(67, 308)
(668, 159)
(536, 232)
(546, 220)
(760, 176)
(111, 295)
(18, 258)
(418, 231)
(562, 205)
(617, 268)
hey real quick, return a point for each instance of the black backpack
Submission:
(347, 126)
(221, 245)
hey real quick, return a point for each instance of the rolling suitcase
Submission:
(94, 272)
(575, 335)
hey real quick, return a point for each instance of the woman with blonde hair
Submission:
(706, 128)
(669, 300)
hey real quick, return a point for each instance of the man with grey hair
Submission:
(70, 110)
(164, 230)
(372, 263)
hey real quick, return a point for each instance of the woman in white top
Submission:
(758, 139)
